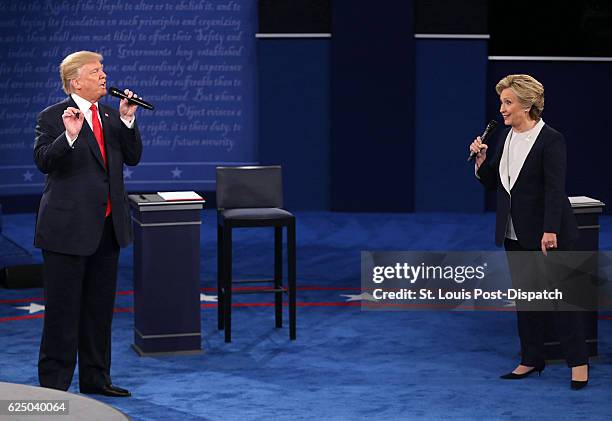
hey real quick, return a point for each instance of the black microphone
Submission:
(119, 94)
(485, 136)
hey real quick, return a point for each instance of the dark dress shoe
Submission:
(514, 376)
(108, 390)
(578, 384)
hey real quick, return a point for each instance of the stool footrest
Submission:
(259, 290)
(252, 281)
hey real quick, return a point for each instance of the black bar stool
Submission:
(253, 197)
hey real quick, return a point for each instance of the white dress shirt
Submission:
(516, 148)
(85, 106)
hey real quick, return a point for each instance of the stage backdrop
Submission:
(193, 59)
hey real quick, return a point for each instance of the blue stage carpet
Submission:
(346, 364)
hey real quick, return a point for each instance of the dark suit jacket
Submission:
(71, 213)
(539, 203)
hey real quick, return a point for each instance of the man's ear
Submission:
(75, 84)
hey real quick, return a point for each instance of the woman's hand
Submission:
(480, 149)
(549, 241)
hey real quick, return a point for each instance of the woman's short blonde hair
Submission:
(70, 68)
(529, 91)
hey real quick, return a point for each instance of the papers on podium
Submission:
(173, 196)
(584, 201)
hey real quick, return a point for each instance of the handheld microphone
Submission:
(485, 136)
(119, 94)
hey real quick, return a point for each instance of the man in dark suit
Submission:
(82, 221)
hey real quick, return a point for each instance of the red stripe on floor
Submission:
(303, 304)
(299, 304)
(130, 292)
(302, 288)
(21, 300)
(29, 316)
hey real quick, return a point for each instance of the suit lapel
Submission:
(523, 159)
(503, 163)
(528, 153)
(89, 137)
(106, 124)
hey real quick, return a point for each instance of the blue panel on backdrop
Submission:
(450, 112)
(194, 60)
(577, 105)
(294, 117)
(372, 106)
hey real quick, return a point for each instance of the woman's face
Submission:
(512, 111)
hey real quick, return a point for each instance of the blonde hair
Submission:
(529, 91)
(70, 68)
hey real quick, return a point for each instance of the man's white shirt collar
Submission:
(82, 103)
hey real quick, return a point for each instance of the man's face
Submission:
(91, 82)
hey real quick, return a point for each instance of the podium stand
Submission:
(166, 275)
(587, 211)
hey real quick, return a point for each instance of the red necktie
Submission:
(97, 129)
